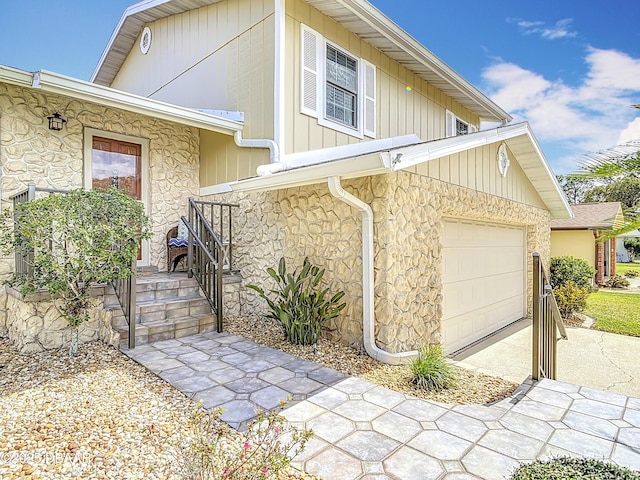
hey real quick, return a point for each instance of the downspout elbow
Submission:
(368, 314)
(274, 150)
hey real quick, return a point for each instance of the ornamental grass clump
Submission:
(299, 303)
(431, 370)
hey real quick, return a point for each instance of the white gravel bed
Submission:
(471, 387)
(98, 415)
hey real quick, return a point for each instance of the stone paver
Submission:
(364, 431)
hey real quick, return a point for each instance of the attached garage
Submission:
(484, 279)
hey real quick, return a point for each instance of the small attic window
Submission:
(456, 126)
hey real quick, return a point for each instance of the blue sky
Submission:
(569, 68)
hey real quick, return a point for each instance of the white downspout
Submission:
(368, 317)
(274, 150)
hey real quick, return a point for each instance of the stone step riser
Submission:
(157, 332)
(171, 309)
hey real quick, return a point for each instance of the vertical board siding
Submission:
(399, 111)
(477, 169)
(215, 57)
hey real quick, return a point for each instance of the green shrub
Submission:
(431, 370)
(299, 305)
(563, 468)
(567, 268)
(631, 273)
(77, 240)
(571, 298)
(617, 281)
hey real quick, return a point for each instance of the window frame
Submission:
(451, 125)
(314, 84)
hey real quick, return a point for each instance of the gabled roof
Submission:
(81, 90)
(592, 216)
(357, 16)
(346, 163)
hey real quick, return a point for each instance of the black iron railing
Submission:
(547, 324)
(23, 255)
(125, 290)
(211, 253)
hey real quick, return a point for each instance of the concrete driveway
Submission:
(601, 360)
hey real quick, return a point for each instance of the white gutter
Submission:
(15, 76)
(274, 150)
(78, 89)
(315, 157)
(279, 93)
(368, 316)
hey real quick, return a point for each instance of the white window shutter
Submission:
(311, 42)
(369, 96)
(472, 128)
(450, 130)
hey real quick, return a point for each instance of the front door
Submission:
(118, 163)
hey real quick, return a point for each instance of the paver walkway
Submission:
(364, 431)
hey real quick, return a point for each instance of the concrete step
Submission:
(176, 328)
(167, 306)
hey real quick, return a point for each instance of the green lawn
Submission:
(615, 312)
(622, 268)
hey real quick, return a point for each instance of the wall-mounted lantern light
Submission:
(56, 122)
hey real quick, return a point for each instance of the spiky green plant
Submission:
(431, 370)
(299, 304)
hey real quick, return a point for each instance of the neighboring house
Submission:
(353, 145)
(622, 254)
(581, 236)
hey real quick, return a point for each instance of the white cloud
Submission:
(574, 119)
(561, 29)
(613, 69)
(631, 133)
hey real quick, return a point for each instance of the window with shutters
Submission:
(338, 88)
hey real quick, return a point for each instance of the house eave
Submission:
(357, 16)
(361, 166)
(518, 137)
(81, 90)
(15, 76)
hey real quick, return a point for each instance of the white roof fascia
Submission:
(131, 10)
(15, 76)
(136, 16)
(304, 159)
(556, 200)
(78, 89)
(403, 158)
(346, 168)
(407, 43)
(394, 159)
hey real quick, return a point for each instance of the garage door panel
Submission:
(466, 263)
(483, 279)
(466, 296)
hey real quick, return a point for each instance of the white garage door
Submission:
(483, 280)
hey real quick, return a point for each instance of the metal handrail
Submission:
(203, 264)
(547, 322)
(215, 213)
(125, 290)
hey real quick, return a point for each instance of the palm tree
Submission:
(612, 165)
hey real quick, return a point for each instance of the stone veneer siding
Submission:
(30, 152)
(408, 213)
(34, 323)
